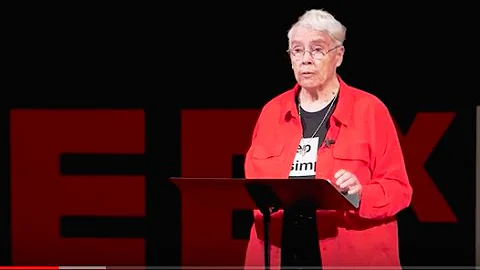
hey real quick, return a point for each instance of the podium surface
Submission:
(280, 193)
(208, 203)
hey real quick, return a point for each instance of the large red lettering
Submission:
(207, 222)
(418, 143)
(40, 195)
(223, 133)
(208, 154)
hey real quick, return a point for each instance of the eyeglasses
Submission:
(317, 53)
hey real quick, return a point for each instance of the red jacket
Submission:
(366, 144)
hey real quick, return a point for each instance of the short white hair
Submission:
(321, 20)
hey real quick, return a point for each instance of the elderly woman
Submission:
(325, 129)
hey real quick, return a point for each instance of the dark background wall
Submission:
(163, 60)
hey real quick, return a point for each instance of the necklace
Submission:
(303, 148)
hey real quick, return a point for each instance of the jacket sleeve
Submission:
(263, 129)
(248, 165)
(262, 126)
(389, 190)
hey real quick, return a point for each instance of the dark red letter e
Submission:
(40, 194)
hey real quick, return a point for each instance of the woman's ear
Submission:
(340, 54)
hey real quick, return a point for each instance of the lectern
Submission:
(268, 194)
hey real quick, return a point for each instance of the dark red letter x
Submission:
(425, 132)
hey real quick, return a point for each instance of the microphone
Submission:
(329, 142)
